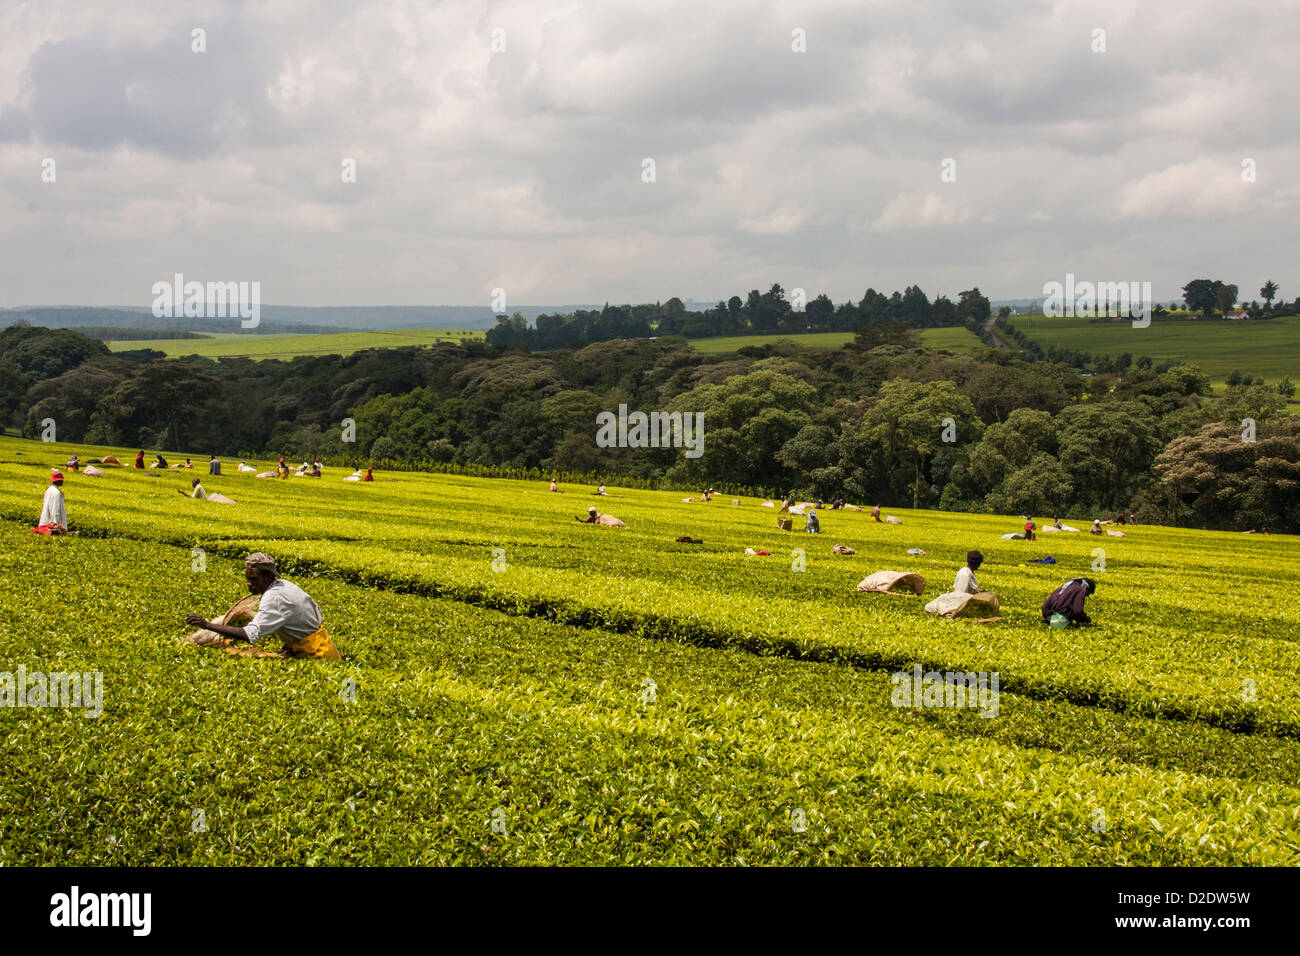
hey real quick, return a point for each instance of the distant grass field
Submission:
(1268, 348)
(955, 339)
(247, 345)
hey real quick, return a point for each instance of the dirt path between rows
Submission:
(988, 327)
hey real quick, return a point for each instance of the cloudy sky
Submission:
(503, 144)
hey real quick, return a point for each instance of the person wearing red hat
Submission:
(54, 512)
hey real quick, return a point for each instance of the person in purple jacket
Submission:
(1068, 600)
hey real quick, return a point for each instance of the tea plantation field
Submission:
(288, 346)
(518, 688)
(1256, 348)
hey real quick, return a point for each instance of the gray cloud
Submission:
(522, 168)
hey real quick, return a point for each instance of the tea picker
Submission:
(284, 610)
(54, 510)
(1064, 606)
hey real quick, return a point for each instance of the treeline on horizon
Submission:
(758, 312)
(863, 422)
(772, 312)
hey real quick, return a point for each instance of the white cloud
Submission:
(1203, 188)
(916, 210)
(787, 218)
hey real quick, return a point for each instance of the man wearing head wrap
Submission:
(1068, 600)
(965, 582)
(54, 512)
(285, 610)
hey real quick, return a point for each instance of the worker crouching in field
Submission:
(284, 610)
(54, 510)
(1065, 604)
(197, 490)
(594, 517)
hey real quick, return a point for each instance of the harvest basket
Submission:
(239, 614)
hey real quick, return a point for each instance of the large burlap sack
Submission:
(110, 460)
(885, 581)
(91, 471)
(890, 519)
(610, 521)
(983, 606)
(240, 614)
(220, 499)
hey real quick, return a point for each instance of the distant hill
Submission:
(108, 333)
(282, 319)
(104, 320)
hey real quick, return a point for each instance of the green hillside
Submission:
(1268, 348)
(607, 695)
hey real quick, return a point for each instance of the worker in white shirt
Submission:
(284, 610)
(965, 582)
(54, 511)
(197, 491)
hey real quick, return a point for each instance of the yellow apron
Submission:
(316, 645)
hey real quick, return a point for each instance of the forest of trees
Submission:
(759, 312)
(864, 421)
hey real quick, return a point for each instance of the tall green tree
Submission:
(917, 311)
(910, 420)
(1202, 295)
(1107, 449)
(748, 419)
(973, 304)
(1222, 481)
(1268, 293)
(1225, 298)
